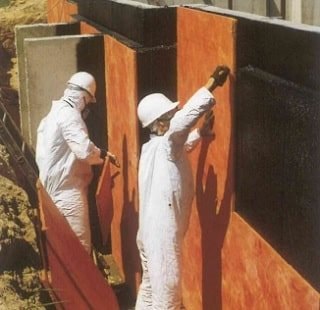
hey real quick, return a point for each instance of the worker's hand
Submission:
(113, 158)
(220, 75)
(207, 125)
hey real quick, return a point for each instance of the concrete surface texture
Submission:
(45, 86)
(30, 31)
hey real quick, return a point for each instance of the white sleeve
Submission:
(193, 140)
(185, 119)
(75, 132)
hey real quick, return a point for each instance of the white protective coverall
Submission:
(166, 192)
(64, 155)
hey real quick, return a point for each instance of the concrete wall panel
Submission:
(276, 107)
(145, 24)
(278, 155)
(122, 96)
(255, 276)
(254, 6)
(46, 76)
(225, 263)
(284, 49)
(258, 49)
(204, 41)
(73, 272)
(131, 74)
(311, 12)
(34, 31)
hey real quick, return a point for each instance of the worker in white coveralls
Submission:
(64, 154)
(166, 189)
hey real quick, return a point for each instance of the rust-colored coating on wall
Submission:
(73, 277)
(105, 202)
(205, 41)
(59, 11)
(226, 264)
(85, 28)
(256, 277)
(121, 77)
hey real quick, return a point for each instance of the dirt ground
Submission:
(19, 258)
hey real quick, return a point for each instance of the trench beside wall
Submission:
(228, 261)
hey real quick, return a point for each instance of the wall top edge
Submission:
(254, 17)
(136, 4)
(74, 36)
(45, 25)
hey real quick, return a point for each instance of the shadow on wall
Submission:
(129, 223)
(90, 51)
(214, 220)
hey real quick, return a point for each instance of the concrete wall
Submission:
(297, 11)
(144, 24)
(130, 76)
(122, 94)
(131, 72)
(311, 12)
(30, 31)
(228, 264)
(46, 80)
(213, 162)
(276, 119)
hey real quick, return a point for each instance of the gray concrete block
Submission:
(49, 64)
(33, 31)
(311, 12)
(253, 6)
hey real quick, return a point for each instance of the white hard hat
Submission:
(85, 81)
(153, 106)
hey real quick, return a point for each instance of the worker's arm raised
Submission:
(218, 77)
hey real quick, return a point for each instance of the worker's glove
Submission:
(220, 75)
(207, 125)
(113, 158)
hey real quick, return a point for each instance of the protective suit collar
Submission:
(75, 98)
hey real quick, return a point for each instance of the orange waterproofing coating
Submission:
(73, 277)
(121, 77)
(204, 41)
(226, 264)
(59, 11)
(105, 202)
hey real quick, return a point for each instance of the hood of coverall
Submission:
(75, 98)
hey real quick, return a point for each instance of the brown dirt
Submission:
(20, 287)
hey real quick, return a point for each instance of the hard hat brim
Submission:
(77, 87)
(171, 107)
